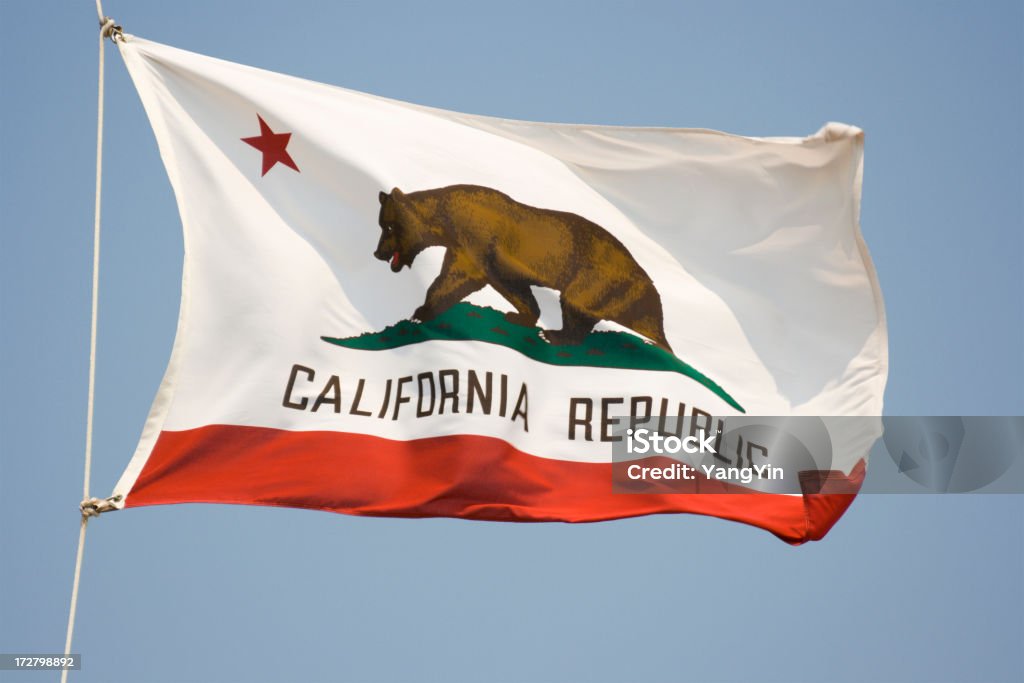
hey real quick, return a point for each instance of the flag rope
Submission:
(91, 507)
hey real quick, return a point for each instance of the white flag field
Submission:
(394, 310)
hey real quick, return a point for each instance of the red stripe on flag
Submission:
(466, 476)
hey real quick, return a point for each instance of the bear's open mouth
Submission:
(395, 265)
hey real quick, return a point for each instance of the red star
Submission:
(273, 147)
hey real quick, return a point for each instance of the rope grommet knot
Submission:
(110, 29)
(94, 507)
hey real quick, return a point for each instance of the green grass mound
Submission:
(466, 322)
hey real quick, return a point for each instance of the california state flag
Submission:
(394, 310)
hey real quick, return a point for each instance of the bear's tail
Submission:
(653, 328)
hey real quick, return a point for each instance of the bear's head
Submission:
(404, 232)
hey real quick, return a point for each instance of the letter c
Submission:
(288, 402)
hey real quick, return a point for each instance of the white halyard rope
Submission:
(91, 507)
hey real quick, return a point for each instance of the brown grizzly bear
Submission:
(491, 239)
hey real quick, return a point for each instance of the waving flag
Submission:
(394, 310)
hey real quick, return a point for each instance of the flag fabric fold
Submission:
(389, 309)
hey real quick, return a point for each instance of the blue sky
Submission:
(905, 588)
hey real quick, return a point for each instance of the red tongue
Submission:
(394, 259)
